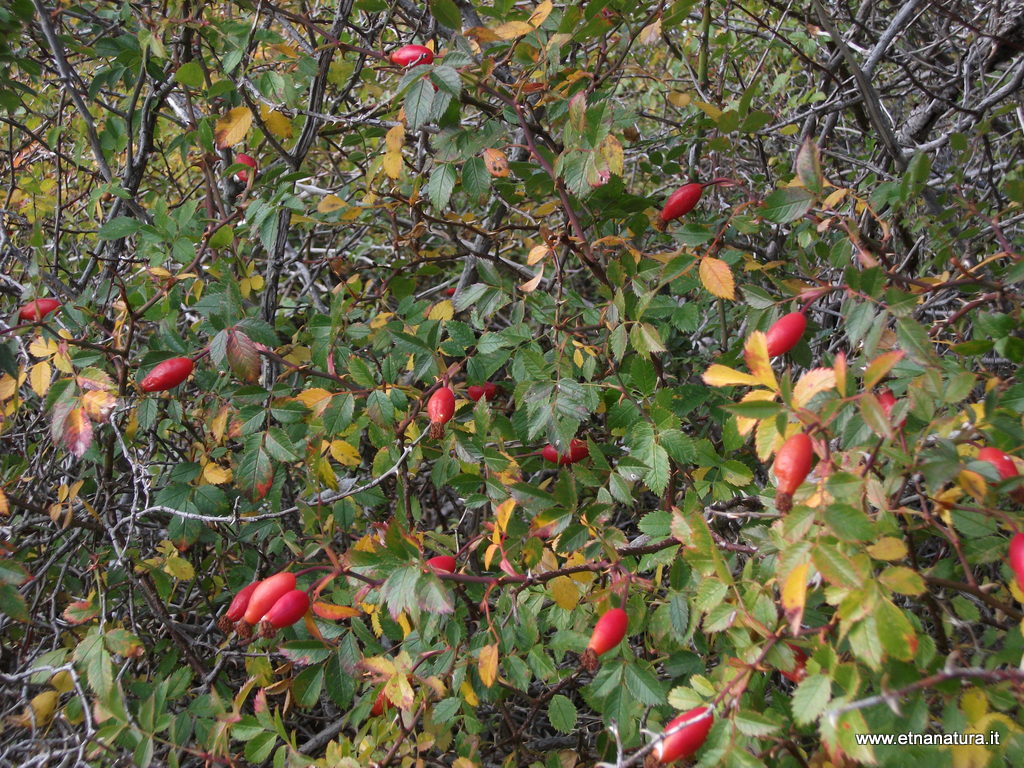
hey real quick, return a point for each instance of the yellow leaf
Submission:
(839, 366)
(973, 483)
(315, 399)
(98, 404)
(5, 507)
(744, 423)
(811, 383)
(39, 377)
(232, 127)
(537, 253)
(540, 14)
(794, 596)
(511, 30)
(278, 124)
(345, 454)
(564, 592)
(488, 665)
(215, 474)
(708, 109)
(502, 513)
(443, 310)
(330, 203)
(679, 99)
(755, 353)
(723, 376)
(77, 432)
(393, 164)
(888, 548)
(39, 712)
(612, 152)
(333, 612)
(395, 138)
(531, 285)
(220, 423)
(8, 386)
(179, 568)
(41, 347)
(717, 278)
(381, 319)
(496, 162)
(468, 694)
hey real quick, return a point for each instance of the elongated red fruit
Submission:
(578, 451)
(1004, 466)
(785, 333)
(288, 609)
(608, 633)
(37, 309)
(440, 409)
(792, 463)
(167, 375)
(487, 391)
(444, 563)
(681, 202)
(1017, 558)
(241, 157)
(410, 55)
(799, 670)
(686, 741)
(266, 594)
(237, 608)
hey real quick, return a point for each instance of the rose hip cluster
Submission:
(273, 604)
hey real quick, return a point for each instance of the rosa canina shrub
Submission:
(488, 214)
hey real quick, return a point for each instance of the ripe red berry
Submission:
(799, 670)
(487, 391)
(37, 309)
(684, 742)
(444, 563)
(578, 451)
(608, 633)
(792, 463)
(288, 609)
(241, 157)
(266, 594)
(410, 55)
(237, 608)
(1017, 558)
(440, 409)
(681, 202)
(167, 375)
(380, 705)
(785, 333)
(888, 401)
(1004, 466)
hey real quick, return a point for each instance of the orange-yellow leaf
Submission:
(39, 377)
(232, 127)
(531, 285)
(276, 122)
(512, 29)
(745, 423)
(755, 353)
(315, 399)
(794, 596)
(537, 253)
(880, 366)
(333, 612)
(488, 664)
(811, 383)
(77, 432)
(541, 14)
(98, 404)
(330, 203)
(723, 376)
(496, 162)
(716, 276)
(839, 366)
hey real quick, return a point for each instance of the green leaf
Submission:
(787, 204)
(440, 186)
(418, 102)
(255, 471)
(447, 13)
(475, 178)
(190, 74)
(122, 226)
(280, 446)
(562, 714)
(810, 698)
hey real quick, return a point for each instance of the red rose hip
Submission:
(578, 451)
(167, 375)
(681, 202)
(243, 176)
(608, 633)
(1017, 558)
(410, 55)
(288, 609)
(444, 563)
(440, 409)
(685, 741)
(37, 309)
(487, 391)
(785, 333)
(792, 464)
(266, 594)
(237, 608)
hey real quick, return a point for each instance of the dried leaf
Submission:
(496, 162)
(531, 285)
(98, 405)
